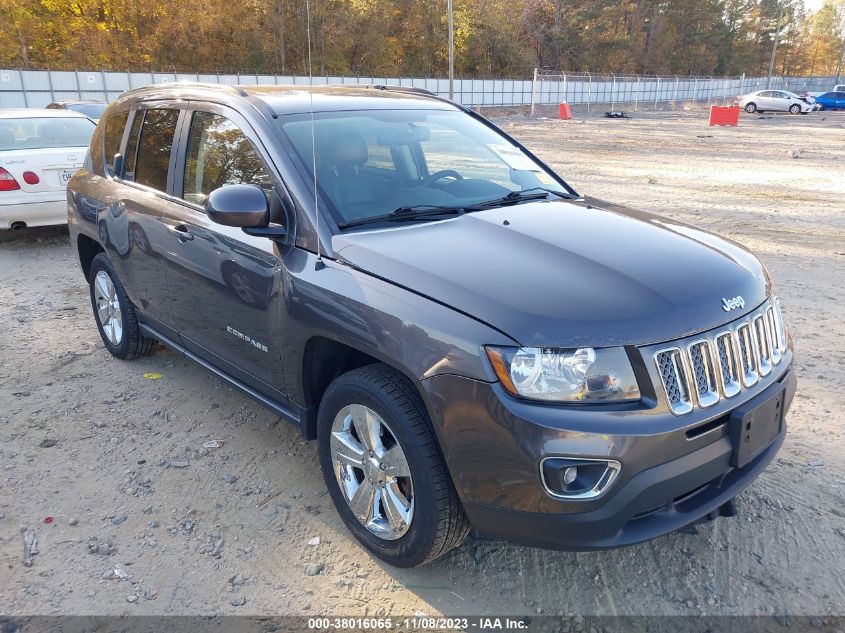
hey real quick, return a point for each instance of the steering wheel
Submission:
(443, 173)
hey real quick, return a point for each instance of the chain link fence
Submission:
(642, 92)
(36, 88)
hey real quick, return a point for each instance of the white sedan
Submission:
(39, 151)
(774, 101)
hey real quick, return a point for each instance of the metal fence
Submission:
(37, 88)
(642, 91)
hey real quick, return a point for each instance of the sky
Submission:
(812, 5)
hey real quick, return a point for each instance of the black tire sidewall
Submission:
(414, 546)
(123, 349)
(793, 109)
(751, 108)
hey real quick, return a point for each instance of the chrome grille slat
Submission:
(774, 335)
(762, 346)
(721, 364)
(781, 328)
(674, 377)
(703, 372)
(748, 360)
(726, 350)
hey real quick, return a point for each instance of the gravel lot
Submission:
(148, 521)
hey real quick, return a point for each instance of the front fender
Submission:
(414, 334)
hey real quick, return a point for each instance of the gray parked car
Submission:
(470, 341)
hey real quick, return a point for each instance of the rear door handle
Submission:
(181, 232)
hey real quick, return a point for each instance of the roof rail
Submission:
(409, 89)
(211, 86)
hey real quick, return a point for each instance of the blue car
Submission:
(831, 100)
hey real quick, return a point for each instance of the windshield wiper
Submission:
(414, 212)
(534, 193)
(403, 214)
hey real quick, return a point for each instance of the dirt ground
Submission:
(147, 521)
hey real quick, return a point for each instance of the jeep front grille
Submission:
(721, 363)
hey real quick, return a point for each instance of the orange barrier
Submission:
(565, 112)
(721, 115)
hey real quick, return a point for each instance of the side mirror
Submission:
(117, 166)
(243, 206)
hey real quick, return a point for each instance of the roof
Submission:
(33, 113)
(299, 99)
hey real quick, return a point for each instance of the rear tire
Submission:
(114, 313)
(436, 522)
(751, 108)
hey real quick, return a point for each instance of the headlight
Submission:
(565, 375)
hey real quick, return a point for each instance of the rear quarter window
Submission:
(112, 135)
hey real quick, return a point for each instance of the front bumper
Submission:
(674, 470)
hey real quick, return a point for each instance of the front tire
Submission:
(384, 470)
(751, 108)
(795, 108)
(114, 313)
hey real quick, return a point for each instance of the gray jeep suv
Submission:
(470, 341)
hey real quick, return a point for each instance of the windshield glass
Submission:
(372, 162)
(93, 110)
(36, 133)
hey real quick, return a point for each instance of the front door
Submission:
(782, 101)
(223, 285)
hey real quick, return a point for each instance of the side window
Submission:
(220, 154)
(112, 135)
(154, 147)
(132, 146)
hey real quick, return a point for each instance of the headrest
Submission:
(348, 149)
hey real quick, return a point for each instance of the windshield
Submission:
(372, 162)
(35, 133)
(93, 110)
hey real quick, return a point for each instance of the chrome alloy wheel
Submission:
(108, 307)
(372, 472)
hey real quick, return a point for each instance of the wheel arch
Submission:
(87, 249)
(325, 359)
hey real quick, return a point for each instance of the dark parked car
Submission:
(92, 109)
(831, 100)
(470, 341)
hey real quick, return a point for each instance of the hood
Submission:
(568, 273)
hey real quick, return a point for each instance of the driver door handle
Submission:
(181, 232)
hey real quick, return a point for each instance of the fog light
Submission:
(577, 477)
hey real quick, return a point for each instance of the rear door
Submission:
(133, 227)
(223, 284)
(763, 100)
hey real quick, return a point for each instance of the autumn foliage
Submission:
(408, 37)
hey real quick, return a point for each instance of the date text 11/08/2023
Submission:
(419, 623)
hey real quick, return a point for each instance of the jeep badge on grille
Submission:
(733, 303)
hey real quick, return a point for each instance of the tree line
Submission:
(503, 38)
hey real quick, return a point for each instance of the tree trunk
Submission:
(23, 48)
